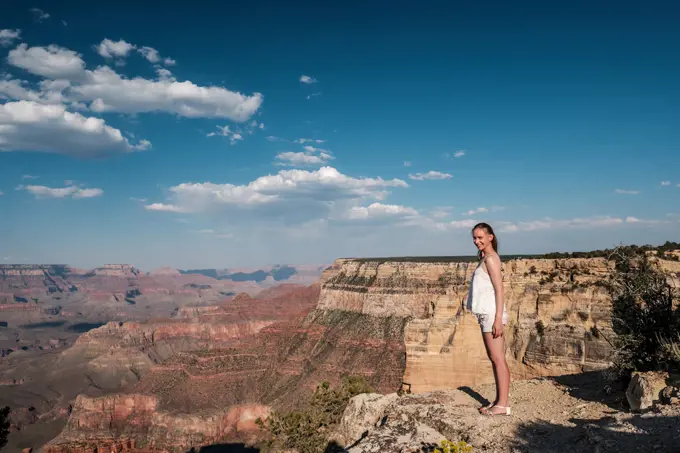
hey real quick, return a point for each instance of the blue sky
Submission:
(255, 133)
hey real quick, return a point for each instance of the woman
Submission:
(485, 300)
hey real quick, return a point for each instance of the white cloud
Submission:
(441, 212)
(310, 96)
(108, 91)
(53, 62)
(62, 192)
(430, 175)
(293, 196)
(309, 157)
(407, 163)
(302, 141)
(311, 149)
(225, 131)
(627, 192)
(114, 49)
(455, 154)
(2, 193)
(8, 36)
(665, 183)
(138, 200)
(39, 15)
(104, 90)
(476, 211)
(153, 56)
(29, 126)
(307, 79)
(297, 159)
(51, 91)
(29, 177)
(463, 223)
(639, 221)
(549, 223)
(379, 210)
(164, 207)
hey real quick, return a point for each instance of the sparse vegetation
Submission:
(4, 425)
(306, 429)
(540, 328)
(453, 447)
(644, 315)
(668, 246)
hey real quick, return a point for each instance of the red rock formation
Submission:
(230, 380)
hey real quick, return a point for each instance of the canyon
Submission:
(44, 310)
(203, 375)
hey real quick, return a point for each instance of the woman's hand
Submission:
(497, 329)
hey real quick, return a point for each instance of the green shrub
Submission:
(453, 447)
(307, 428)
(4, 425)
(540, 328)
(644, 316)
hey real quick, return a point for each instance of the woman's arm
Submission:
(493, 267)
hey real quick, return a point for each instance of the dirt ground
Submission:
(577, 413)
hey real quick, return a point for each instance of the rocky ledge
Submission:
(549, 414)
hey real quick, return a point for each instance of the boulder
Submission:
(666, 395)
(361, 414)
(645, 388)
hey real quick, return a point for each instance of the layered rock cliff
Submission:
(559, 314)
(201, 367)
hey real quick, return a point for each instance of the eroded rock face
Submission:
(127, 416)
(559, 315)
(193, 368)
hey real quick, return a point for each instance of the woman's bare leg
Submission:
(496, 349)
(488, 354)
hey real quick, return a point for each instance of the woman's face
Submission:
(481, 238)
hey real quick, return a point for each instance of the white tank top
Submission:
(481, 295)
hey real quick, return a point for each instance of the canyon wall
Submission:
(559, 314)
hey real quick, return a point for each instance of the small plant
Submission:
(453, 447)
(540, 328)
(532, 269)
(645, 315)
(4, 425)
(307, 428)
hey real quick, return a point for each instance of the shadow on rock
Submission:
(474, 395)
(655, 433)
(593, 386)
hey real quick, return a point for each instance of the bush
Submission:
(453, 447)
(4, 426)
(644, 316)
(306, 429)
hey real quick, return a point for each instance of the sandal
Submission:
(489, 413)
(484, 408)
